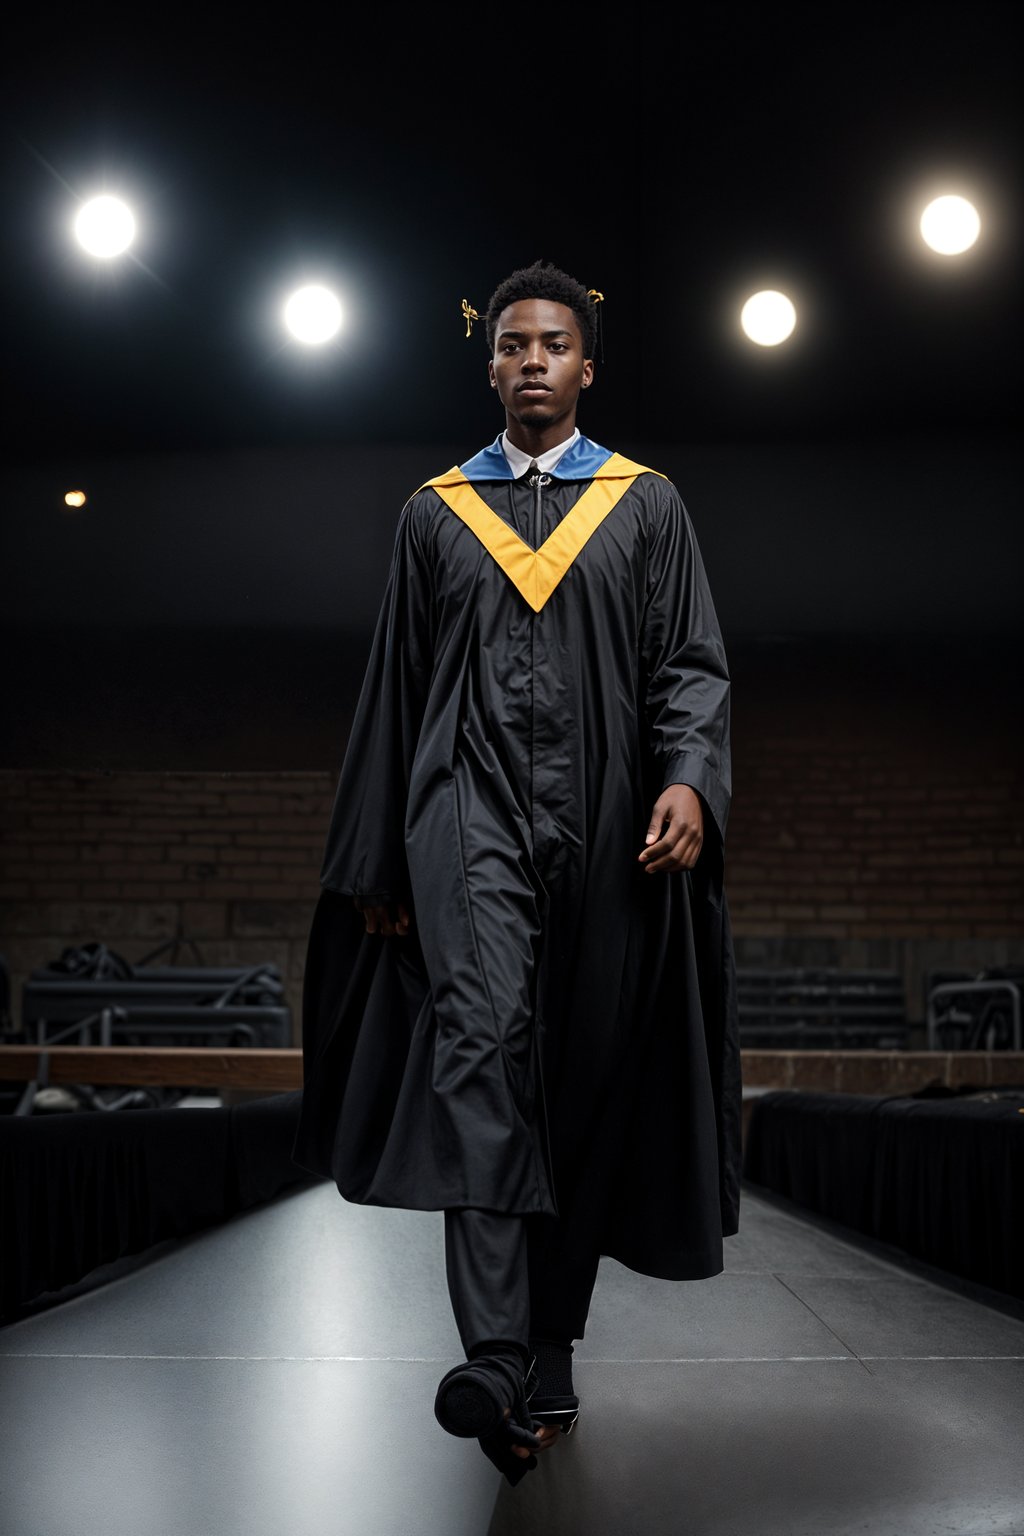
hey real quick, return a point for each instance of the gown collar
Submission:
(580, 462)
(545, 462)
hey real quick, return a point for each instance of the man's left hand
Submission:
(676, 832)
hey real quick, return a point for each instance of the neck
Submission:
(537, 440)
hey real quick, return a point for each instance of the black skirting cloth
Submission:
(942, 1178)
(80, 1190)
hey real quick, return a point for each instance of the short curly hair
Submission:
(542, 280)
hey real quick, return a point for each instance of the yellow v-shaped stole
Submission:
(537, 572)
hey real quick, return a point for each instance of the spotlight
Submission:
(768, 317)
(313, 315)
(950, 225)
(74, 498)
(105, 227)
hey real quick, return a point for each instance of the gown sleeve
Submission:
(365, 848)
(686, 677)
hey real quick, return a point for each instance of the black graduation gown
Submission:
(557, 1033)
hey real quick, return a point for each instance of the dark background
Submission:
(855, 491)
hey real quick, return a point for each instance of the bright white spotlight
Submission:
(313, 315)
(105, 227)
(950, 225)
(74, 498)
(768, 317)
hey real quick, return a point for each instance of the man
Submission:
(519, 1002)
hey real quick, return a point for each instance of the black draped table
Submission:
(80, 1190)
(940, 1177)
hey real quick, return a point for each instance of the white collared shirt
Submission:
(519, 462)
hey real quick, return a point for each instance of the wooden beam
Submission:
(156, 1066)
(279, 1071)
(879, 1071)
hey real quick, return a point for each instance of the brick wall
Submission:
(230, 860)
(877, 820)
(895, 854)
(825, 843)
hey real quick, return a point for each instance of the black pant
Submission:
(517, 1277)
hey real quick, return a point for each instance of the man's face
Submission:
(538, 367)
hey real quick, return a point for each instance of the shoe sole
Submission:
(467, 1409)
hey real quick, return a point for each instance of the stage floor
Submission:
(275, 1377)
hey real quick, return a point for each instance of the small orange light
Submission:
(74, 499)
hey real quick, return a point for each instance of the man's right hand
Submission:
(380, 917)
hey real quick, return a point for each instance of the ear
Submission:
(490, 374)
(588, 373)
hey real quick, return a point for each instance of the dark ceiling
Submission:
(676, 161)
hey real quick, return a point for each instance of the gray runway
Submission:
(275, 1377)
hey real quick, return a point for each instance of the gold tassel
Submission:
(597, 297)
(469, 314)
